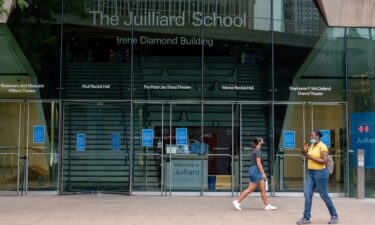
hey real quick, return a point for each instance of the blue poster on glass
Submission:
(115, 141)
(81, 142)
(147, 137)
(181, 136)
(39, 134)
(290, 139)
(326, 139)
(362, 135)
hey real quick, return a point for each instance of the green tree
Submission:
(18, 3)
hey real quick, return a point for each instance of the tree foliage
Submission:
(17, 3)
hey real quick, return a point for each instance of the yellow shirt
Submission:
(315, 151)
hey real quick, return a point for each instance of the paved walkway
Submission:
(141, 210)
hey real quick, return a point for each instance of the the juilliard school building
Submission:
(163, 97)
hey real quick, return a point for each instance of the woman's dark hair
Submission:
(256, 141)
(318, 133)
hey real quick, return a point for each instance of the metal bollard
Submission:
(360, 173)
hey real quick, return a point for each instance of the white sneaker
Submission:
(237, 205)
(270, 207)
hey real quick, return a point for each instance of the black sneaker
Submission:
(333, 220)
(303, 220)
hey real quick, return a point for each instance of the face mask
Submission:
(313, 140)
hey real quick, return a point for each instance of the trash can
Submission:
(211, 183)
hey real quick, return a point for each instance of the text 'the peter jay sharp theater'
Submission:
(163, 97)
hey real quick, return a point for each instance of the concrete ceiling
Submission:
(348, 13)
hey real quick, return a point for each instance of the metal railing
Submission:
(146, 155)
(280, 179)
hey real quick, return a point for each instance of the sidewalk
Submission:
(141, 210)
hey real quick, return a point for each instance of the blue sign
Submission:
(39, 135)
(81, 142)
(326, 139)
(362, 132)
(290, 139)
(147, 137)
(115, 137)
(181, 136)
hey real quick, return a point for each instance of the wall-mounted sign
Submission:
(326, 139)
(27, 88)
(181, 136)
(311, 90)
(81, 142)
(289, 139)
(186, 174)
(234, 87)
(166, 87)
(147, 137)
(39, 134)
(362, 132)
(115, 141)
(154, 19)
(164, 41)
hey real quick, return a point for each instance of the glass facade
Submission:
(160, 96)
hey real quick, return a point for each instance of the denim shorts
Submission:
(255, 174)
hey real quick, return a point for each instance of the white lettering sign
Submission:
(21, 88)
(154, 19)
(311, 90)
(96, 86)
(146, 40)
(166, 87)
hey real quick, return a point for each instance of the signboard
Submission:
(115, 141)
(147, 137)
(39, 134)
(326, 139)
(81, 142)
(181, 136)
(362, 135)
(186, 174)
(289, 139)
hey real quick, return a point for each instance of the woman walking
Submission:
(317, 177)
(257, 176)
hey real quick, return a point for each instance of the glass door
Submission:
(28, 147)
(293, 124)
(255, 121)
(96, 147)
(11, 121)
(330, 119)
(291, 131)
(41, 131)
(149, 136)
(220, 136)
(186, 164)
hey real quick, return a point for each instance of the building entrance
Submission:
(293, 131)
(28, 149)
(169, 148)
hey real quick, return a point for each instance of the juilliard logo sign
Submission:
(154, 19)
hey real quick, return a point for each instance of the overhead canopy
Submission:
(348, 13)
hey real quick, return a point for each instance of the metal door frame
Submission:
(23, 190)
(161, 192)
(242, 147)
(18, 147)
(306, 106)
